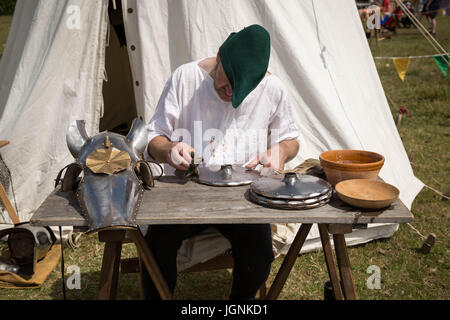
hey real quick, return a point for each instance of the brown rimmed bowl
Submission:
(340, 165)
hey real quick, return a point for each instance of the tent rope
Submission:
(413, 57)
(424, 31)
(415, 230)
(438, 192)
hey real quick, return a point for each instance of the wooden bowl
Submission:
(340, 165)
(367, 194)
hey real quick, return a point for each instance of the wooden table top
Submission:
(178, 201)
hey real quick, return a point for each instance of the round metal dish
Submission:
(291, 186)
(227, 176)
(291, 204)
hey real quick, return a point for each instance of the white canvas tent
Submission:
(56, 60)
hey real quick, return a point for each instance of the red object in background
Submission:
(403, 110)
(386, 4)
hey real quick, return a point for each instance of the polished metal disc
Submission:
(290, 186)
(226, 176)
(291, 204)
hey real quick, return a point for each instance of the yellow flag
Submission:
(401, 65)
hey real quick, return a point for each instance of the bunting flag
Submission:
(442, 63)
(401, 65)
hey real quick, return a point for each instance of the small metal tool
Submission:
(193, 167)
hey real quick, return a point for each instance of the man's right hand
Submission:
(179, 155)
(176, 154)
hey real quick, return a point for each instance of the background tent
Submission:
(56, 60)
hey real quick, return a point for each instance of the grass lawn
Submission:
(5, 22)
(405, 273)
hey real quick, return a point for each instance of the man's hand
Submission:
(179, 155)
(176, 154)
(276, 156)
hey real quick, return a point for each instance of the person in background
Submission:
(364, 16)
(430, 10)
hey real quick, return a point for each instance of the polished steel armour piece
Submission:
(291, 204)
(110, 198)
(290, 186)
(27, 245)
(291, 191)
(226, 176)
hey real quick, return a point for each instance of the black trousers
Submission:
(251, 246)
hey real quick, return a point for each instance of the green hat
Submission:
(245, 59)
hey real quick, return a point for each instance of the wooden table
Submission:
(178, 201)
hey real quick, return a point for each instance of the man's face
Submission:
(221, 83)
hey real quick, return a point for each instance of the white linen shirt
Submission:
(191, 111)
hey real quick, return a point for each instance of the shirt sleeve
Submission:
(166, 115)
(281, 123)
(167, 112)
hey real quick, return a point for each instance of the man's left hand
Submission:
(276, 156)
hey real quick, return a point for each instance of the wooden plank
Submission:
(109, 275)
(59, 209)
(173, 201)
(344, 267)
(176, 201)
(329, 260)
(288, 262)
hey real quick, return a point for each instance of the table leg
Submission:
(109, 275)
(344, 267)
(150, 263)
(288, 262)
(329, 260)
(8, 206)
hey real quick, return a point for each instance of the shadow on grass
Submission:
(211, 285)
(87, 290)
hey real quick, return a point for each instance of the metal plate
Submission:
(226, 176)
(291, 204)
(291, 186)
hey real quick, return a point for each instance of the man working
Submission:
(224, 103)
